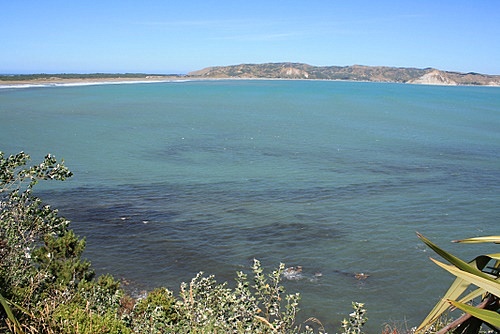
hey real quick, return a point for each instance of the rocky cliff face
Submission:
(291, 72)
(355, 73)
(434, 77)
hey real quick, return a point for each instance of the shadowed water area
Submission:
(336, 177)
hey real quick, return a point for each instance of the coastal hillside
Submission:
(428, 76)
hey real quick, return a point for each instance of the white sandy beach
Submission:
(55, 81)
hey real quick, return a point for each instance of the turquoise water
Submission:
(174, 178)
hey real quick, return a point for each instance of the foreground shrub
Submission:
(45, 286)
(25, 222)
(73, 319)
(156, 313)
(356, 320)
(206, 306)
(25, 225)
(260, 307)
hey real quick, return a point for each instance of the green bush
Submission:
(155, 313)
(60, 258)
(25, 221)
(73, 319)
(356, 320)
(260, 307)
(25, 224)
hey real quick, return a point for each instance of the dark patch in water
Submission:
(183, 226)
(291, 234)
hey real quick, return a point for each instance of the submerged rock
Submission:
(293, 273)
(361, 276)
(297, 273)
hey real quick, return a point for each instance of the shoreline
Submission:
(60, 82)
(68, 82)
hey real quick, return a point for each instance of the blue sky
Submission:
(172, 36)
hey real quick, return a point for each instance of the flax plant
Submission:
(482, 272)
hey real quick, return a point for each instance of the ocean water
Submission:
(179, 177)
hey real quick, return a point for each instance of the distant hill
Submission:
(428, 76)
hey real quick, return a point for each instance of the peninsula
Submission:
(428, 76)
